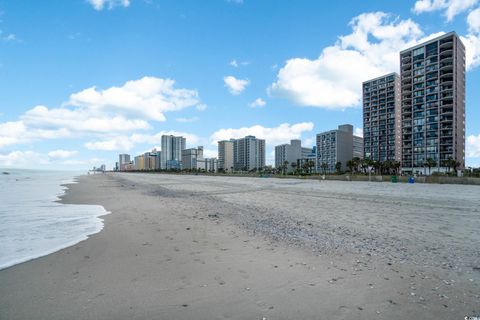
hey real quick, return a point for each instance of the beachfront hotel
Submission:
(191, 158)
(291, 153)
(433, 103)
(171, 155)
(123, 160)
(248, 153)
(225, 155)
(382, 118)
(335, 146)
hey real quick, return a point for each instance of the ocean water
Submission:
(32, 224)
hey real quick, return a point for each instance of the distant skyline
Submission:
(84, 80)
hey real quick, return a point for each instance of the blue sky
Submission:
(84, 80)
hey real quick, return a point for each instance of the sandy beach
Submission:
(203, 247)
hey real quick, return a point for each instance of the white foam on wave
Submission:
(32, 224)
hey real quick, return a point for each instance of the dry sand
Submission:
(197, 247)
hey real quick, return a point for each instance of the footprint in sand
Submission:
(219, 280)
(244, 274)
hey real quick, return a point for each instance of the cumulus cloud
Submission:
(127, 142)
(121, 110)
(473, 21)
(358, 132)
(147, 98)
(110, 4)
(210, 153)
(334, 79)
(276, 135)
(258, 103)
(234, 85)
(80, 120)
(120, 143)
(451, 8)
(17, 132)
(62, 154)
(472, 50)
(473, 146)
(21, 159)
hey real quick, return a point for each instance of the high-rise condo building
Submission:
(171, 155)
(433, 103)
(225, 155)
(248, 153)
(335, 146)
(382, 118)
(123, 159)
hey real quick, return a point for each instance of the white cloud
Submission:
(210, 153)
(201, 107)
(126, 143)
(334, 79)
(120, 143)
(451, 8)
(147, 98)
(473, 146)
(22, 159)
(234, 63)
(235, 1)
(186, 120)
(110, 4)
(473, 21)
(62, 154)
(99, 112)
(258, 103)
(80, 120)
(277, 135)
(16, 132)
(234, 85)
(358, 132)
(309, 142)
(472, 50)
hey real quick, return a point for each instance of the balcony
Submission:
(447, 111)
(446, 133)
(446, 118)
(447, 45)
(446, 54)
(446, 66)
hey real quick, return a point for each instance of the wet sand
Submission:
(199, 247)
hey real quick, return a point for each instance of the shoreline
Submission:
(37, 221)
(212, 249)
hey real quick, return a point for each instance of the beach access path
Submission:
(203, 247)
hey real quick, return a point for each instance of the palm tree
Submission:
(305, 167)
(311, 165)
(324, 167)
(350, 164)
(338, 167)
(285, 167)
(293, 165)
(395, 166)
(356, 162)
(429, 164)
